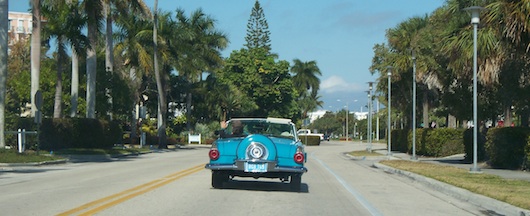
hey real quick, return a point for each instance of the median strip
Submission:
(109, 201)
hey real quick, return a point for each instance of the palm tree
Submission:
(121, 7)
(64, 24)
(35, 51)
(162, 105)
(199, 45)
(3, 66)
(510, 21)
(307, 84)
(305, 78)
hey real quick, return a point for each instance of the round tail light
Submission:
(299, 157)
(214, 154)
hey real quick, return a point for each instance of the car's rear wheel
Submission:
(219, 178)
(296, 182)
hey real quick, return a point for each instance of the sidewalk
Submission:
(493, 206)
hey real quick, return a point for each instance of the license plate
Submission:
(255, 167)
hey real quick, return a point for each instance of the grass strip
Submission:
(12, 156)
(514, 192)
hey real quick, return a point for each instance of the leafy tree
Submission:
(266, 83)
(328, 124)
(258, 35)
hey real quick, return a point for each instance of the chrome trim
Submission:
(240, 166)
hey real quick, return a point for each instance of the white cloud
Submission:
(336, 83)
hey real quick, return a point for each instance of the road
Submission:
(176, 183)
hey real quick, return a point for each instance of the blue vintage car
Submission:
(258, 148)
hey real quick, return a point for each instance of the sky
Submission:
(338, 34)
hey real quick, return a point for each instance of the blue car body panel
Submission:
(236, 154)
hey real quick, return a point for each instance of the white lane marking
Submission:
(352, 191)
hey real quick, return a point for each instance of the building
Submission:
(19, 27)
(319, 113)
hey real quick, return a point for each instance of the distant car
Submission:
(258, 148)
(308, 132)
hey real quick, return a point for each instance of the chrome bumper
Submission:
(240, 166)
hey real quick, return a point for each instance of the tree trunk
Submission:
(74, 91)
(451, 121)
(91, 64)
(35, 52)
(426, 122)
(188, 110)
(3, 66)
(507, 116)
(57, 108)
(162, 142)
(135, 112)
(109, 56)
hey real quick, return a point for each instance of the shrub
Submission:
(400, 140)
(58, 134)
(506, 147)
(468, 145)
(310, 139)
(439, 142)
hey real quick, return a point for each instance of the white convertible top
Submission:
(269, 119)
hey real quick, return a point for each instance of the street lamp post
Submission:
(370, 86)
(368, 123)
(389, 75)
(475, 19)
(377, 121)
(347, 114)
(413, 105)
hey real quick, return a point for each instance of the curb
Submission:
(61, 161)
(459, 193)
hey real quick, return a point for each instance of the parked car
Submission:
(258, 148)
(308, 132)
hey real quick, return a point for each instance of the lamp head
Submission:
(475, 13)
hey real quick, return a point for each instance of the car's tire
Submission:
(296, 182)
(218, 179)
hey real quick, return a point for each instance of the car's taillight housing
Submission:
(299, 156)
(214, 154)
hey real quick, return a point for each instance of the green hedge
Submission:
(78, 133)
(400, 140)
(310, 139)
(468, 145)
(437, 142)
(507, 147)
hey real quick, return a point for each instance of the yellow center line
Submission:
(109, 201)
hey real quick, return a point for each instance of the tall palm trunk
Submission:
(507, 115)
(74, 91)
(162, 142)
(3, 66)
(91, 63)
(135, 112)
(57, 108)
(35, 52)
(109, 57)
(188, 108)
(426, 122)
